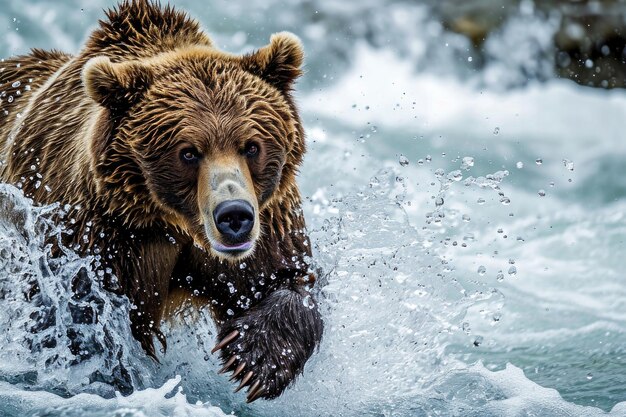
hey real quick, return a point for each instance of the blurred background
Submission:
(579, 40)
(465, 190)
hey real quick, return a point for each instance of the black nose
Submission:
(234, 219)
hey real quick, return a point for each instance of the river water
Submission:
(469, 220)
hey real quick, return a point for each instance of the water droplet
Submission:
(589, 376)
(513, 271)
(563, 59)
(230, 312)
(480, 201)
(403, 160)
(568, 164)
(466, 327)
(242, 265)
(467, 163)
(16, 84)
(496, 131)
(439, 172)
(505, 201)
(455, 175)
(439, 201)
(482, 270)
(519, 165)
(308, 302)
(466, 218)
(478, 341)
(429, 158)
(542, 193)
(539, 161)
(231, 288)
(500, 276)
(188, 278)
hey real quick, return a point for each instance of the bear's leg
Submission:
(269, 344)
(144, 269)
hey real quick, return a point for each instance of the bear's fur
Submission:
(137, 133)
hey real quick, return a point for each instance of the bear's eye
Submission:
(189, 155)
(252, 150)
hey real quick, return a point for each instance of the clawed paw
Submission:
(266, 369)
(266, 352)
(242, 372)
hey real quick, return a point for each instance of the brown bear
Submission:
(178, 162)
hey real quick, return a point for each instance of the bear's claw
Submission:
(238, 371)
(255, 392)
(224, 342)
(228, 364)
(245, 381)
(270, 353)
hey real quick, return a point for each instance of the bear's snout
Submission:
(234, 220)
(229, 208)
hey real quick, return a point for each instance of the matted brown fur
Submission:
(102, 131)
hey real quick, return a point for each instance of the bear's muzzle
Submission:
(230, 212)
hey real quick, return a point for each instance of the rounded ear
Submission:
(279, 63)
(115, 86)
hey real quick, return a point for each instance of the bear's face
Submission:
(212, 135)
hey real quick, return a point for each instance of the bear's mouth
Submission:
(237, 249)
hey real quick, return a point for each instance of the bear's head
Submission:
(198, 139)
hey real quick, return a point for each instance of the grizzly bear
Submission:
(178, 163)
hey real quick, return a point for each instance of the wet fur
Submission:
(85, 141)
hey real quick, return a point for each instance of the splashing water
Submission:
(449, 284)
(391, 300)
(60, 331)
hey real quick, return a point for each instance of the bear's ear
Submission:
(115, 86)
(278, 63)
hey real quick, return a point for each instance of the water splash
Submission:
(490, 181)
(60, 331)
(166, 401)
(393, 306)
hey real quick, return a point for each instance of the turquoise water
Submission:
(471, 228)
